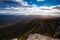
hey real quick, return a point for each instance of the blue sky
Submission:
(15, 3)
(30, 7)
(44, 2)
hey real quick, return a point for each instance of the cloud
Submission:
(16, 3)
(40, 0)
(9, 3)
(57, 7)
(24, 3)
(33, 9)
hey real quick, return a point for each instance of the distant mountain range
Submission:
(12, 19)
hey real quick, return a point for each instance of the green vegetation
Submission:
(21, 30)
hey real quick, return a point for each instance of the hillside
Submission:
(48, 27)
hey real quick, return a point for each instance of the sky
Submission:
(30, 7)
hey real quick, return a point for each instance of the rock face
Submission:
(39, 37)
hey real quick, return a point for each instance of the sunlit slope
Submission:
(44, 27)
(49, 27)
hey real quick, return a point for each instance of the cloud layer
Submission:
(26, 9)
